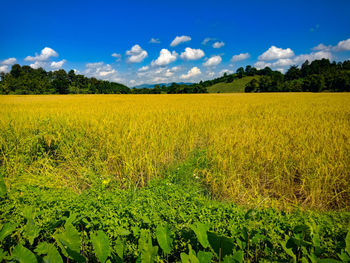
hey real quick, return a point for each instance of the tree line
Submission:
(319, 75)
(26, 80)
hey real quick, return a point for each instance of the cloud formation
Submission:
(45, 54)
(213, 61)
(58, 64)
(218, 44)
(178, 40)
(240, 57)
(165, 57)
(276, 53)
(192, 54)
(9, 61)
(136, 54)
(191, 73)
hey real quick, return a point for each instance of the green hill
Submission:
(237, 85)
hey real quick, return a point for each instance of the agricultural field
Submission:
(175, 178)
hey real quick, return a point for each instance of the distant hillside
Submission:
(237, 85)
(151, 86)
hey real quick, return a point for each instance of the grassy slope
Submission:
(237, 85)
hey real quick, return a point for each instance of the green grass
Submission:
(174, 213)
(237, 85)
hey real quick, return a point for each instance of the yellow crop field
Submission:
(272, 149)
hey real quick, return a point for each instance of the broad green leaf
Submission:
(164, 238)
(31, 231)
(347, 243)
(201, 230)
(3, 254)
(190, 258)
(204, 257)
(70, 241)
(6, 230)
(52, 254)
(23, 255)
(148, 251)
(221, 244)
(119, 248)
(289, 251)
(100, 243)
(3, 190)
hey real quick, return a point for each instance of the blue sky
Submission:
(83, 35)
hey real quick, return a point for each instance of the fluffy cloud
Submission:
(9, 61)
(192, 54)
(4, 68)
(154, 40)
(143, 69)
(321, 47)
(262, 64)
(191, 73)
(58, 64)
(38, 64)
(165, 58)
(218, 44)
(240, 57)
(117, 56)
(280, 64)
(45, 55)
(227, 71)
(102, 71)
(343, 45)
(178, 40)
(276, 53)
(136, 54)
(213, 61)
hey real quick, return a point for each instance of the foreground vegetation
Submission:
(235, 177)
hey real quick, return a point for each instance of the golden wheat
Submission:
(270, 149)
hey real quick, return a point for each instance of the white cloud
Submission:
(191, 73)
(240, 57)
(282, 63)
(58, 64)
(101, 70)
(192, 54)
(45, 55)
(213, 61)
(321, 47)
(276, 53)
(218, 44)
(9, 61)
(343, 45)
(312, 56)
(178, 40)
(206, 40)
(158, 79)
(144, 68)
(165, 57)
(117, 56)
(222, 72)
(177, 68)
(4, 68)
(154, 40)
(262, 64)
(38, 64)
(136, 54)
